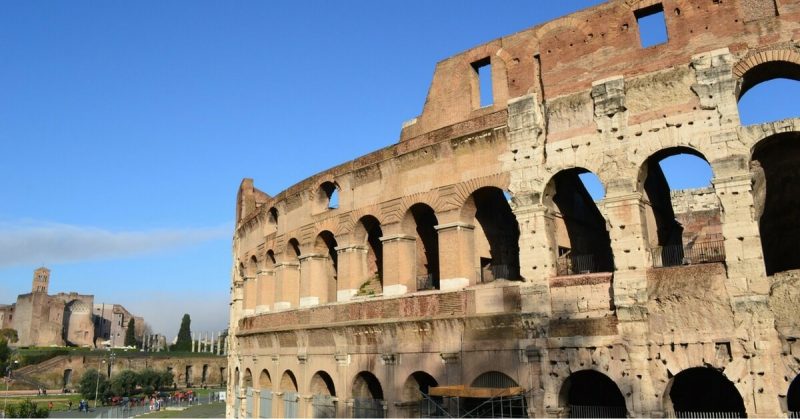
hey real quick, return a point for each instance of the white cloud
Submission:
(33, 242)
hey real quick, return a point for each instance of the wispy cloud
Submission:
(27, 242)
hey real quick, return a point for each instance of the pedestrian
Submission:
(70, 405)
(50, 406)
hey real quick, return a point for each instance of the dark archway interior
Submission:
(367, 386)
(793, 395)
(589, 247)
(704, 390)
(501, 229)
(294, 249)
(592, 388)
(776, 190)
(330, 194)
(428, 243)
(375, 250)
(326, 244)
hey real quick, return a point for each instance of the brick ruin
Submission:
(467, 263)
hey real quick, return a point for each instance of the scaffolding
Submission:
(473, 402)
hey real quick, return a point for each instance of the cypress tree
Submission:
(130, 334)
(184, 342)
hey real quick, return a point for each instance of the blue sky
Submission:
(127, 127)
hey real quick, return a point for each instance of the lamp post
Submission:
(8, 381)
(97, 384)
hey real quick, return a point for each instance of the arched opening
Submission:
(582, 241)
(769, 92)
(589, 393)
(328, 196)
(270, 259)
(204, 376)
(682, 213)
(273, 216)
(67, 378)
(420, 221)
(368, 232)
(324, 393)
(189, 375)
(293, 250)
(793, 398)
(326, 245)
(367, 396)
(415, 395)
(248, 393)
(703, 390)
(496, 234)
(776, 192)
(265, 397)
(288, 386)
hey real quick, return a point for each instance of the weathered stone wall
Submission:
(572, 95)
(71, 368)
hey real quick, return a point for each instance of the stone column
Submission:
(288, 276)
(457, 268)
(351, 270)
(249, 296)
(193, 342)
(399, 264)
(266, 290)
(313, 280)
(749, 288)
(538, 265)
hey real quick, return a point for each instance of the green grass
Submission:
(213, 410)
(60, 401)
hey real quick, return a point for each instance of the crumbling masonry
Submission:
(468, 262)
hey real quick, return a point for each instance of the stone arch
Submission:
(292, 251)
(760, 66)
(327, 196)
(702, 389)
(793, 395)
(67, 378)
(248, 378)
(236, 377)
(269, 259)
(265, 380)
(252, 266)
(417, 384)
(367, 386)
(494, 379)
(583, 244)
(496, 235)
(589, 393)
(204, 374)
(670, 244)
(775, 166)
(420, 221)
(322, 384)
(368, 233)
(288, 382)
(325, 244)
(272, 216)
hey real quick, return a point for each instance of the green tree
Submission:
(124, 383)
(167, 379)
(9, 335)
(130, 335)
(93, 382)
(5, 356)
(26, 409)
(184, 342)
(151, 380)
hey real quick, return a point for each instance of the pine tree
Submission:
(184, 342)
(130, 334)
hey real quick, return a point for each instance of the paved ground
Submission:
(213, 410)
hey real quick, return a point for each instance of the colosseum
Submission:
(467, 271)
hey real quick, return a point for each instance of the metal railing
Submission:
(493, 272)
(694, 414)
(137, 409)
(425, 282)
(693, 254)
(578, 411)
(572, 264)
